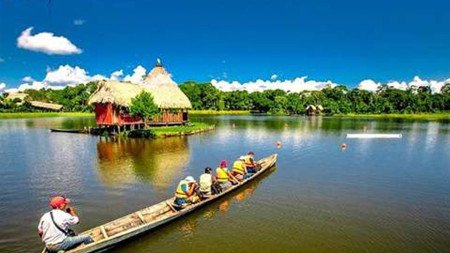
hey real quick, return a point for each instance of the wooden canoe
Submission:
(75, 131)
(121, 229)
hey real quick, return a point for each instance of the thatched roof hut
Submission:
(112, 96)
(158, 82)
(14, 95)
(314, 109)
(115, 92)
(164, 90)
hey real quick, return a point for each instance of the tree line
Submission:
(204, 96)
(72, 98)
(334, 100)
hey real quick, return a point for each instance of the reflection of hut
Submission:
(157, 161)
(112, 99)
(313, 110)
(46, 106)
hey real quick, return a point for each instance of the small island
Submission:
(154, 108)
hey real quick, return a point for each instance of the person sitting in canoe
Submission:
(239, 170)
(185, 193)
(224, 177)
(250, 164)
(54, 229)
(208, 184)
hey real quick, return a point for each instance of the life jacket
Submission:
(238, 167)
(248, 161)
(179, 193)
(222, 175)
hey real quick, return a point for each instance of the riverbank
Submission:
(442, 116)
(19, 115)
(418, 116)
(213, 112)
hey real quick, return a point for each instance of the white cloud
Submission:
(79, 22)
(64, 75)
(397, 85)
(2, 86)
(138, 75)
(116, 75)
(297, 85)
(32, 86)
(434, 85)
(98, 77)
(46, 42)
(67, 75)
(368, 85)
(274, 77)
(28, 79)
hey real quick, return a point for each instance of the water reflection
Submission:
(157, 162)
(224, 206)
(57, 122)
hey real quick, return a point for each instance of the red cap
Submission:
(223, 163)
(58, 202)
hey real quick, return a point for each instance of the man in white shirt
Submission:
(206, 181)
(209, 184)
(53, 227)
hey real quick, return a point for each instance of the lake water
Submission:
(375, 196)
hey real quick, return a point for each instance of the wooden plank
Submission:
(105, 235)
(171, 207)
(139, 214)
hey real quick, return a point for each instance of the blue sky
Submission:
(343, 41)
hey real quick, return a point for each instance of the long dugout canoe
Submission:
(107, 235)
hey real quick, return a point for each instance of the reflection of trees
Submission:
(155, 161)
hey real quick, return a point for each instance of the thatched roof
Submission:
(48, 106)
(14, 95)
(164, 90)
(115, 92)
(315, 107)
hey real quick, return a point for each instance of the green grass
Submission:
(194, 127)
(166, 131)
(410, 116)
(213, 112)
(17, 115)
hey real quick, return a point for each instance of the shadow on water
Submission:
(189, 223)
(156, 162)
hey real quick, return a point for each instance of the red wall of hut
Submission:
(109, 114)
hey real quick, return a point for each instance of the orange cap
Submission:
(58, 201)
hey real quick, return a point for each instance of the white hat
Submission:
(242, 158)
(190, 179)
